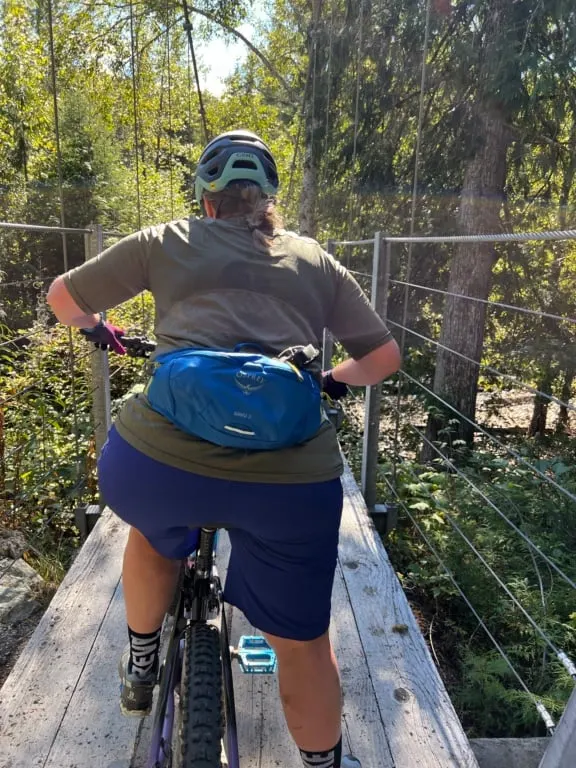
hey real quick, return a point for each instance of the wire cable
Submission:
(560, 655)
(169, 80)
(356, 115)
(538, 704)
(136, 127)
(30, 281)
(188, 30)
(493, 506)
(517, 456)
(494, 371)
(23, 337)
(505, 237)
(489, 302)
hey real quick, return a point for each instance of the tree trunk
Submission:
(308, 195)
(562, 422)
(456, 379)
(539, 418)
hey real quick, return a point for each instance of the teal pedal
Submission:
(255, 655)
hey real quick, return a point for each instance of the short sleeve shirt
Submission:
(214, 288)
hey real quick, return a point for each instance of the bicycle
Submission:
(194, 721)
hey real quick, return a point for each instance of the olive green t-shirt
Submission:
(213, 288)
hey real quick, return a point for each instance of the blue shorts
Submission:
(284, 537)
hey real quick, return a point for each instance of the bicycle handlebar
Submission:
(137, 346)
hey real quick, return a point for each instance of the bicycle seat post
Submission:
(205, 553)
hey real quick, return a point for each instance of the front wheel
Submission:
(202, 716)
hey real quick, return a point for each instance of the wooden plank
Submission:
(421, 725)
(37, 694)
(249, 700)
(247, 688)
(363, 732)
(276, 745)
(264, 740)
(264, 737)
(93, 731)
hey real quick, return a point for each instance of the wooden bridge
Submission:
(59, 707)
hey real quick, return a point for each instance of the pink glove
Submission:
(105, 336)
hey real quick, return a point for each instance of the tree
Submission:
(499, 60)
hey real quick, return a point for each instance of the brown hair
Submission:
(250, 202)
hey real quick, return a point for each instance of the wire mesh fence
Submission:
(55, 393)
(474, 446)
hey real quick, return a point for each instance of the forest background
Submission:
(484, 142)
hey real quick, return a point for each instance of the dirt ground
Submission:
(505, 410)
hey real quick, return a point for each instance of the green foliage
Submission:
(47, 452)
(473, 671)
(47, 449)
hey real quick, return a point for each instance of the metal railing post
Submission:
(93, 245)
(379, 301)
(327, 340)
(561, 752)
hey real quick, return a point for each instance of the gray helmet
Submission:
(236, 156)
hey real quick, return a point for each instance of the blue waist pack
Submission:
(237, 399)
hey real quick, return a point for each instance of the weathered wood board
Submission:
(421, 725)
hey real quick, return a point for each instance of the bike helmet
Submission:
(236, 156)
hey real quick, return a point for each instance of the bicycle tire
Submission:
(201, 710)
(231, 728)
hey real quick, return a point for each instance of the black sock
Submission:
(144, 651)
(330, 759)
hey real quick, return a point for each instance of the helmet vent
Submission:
(211, 156)
(245, 164)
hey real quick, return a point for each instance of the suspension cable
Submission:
(190, 135)
(519, 458)
(560, 655)
(135, 114)
(314, 205)
(301, 113)
(72, 365)
(329, 82)
(356, 116)
(57, 132)
(417, 149)
(169, 83)
(488, 302)
(483, 366)
(542, 711)
(493, 506)
(188, 30)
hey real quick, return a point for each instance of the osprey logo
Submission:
(249, 382)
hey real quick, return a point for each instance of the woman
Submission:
(232, 277)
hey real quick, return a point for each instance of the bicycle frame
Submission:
(199, 599)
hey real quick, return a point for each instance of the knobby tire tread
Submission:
(202, 716)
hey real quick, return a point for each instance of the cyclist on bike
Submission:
(233, 276)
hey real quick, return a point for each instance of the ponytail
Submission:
(259, 211)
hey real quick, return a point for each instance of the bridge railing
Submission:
(406, 278)
(55, 404)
